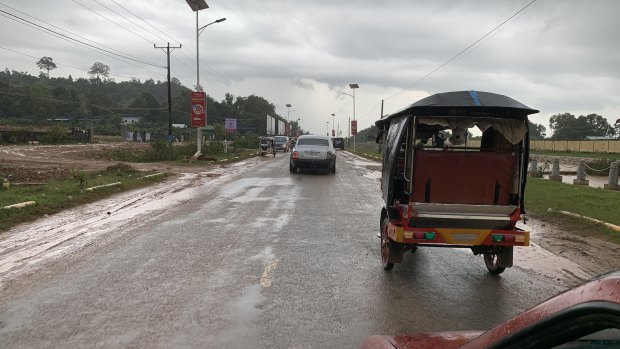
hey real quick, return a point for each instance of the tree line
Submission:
(100, 102)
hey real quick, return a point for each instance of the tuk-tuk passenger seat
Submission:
(475, 178)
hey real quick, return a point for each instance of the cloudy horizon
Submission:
(554, 56)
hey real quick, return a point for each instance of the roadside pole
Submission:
(167, 51)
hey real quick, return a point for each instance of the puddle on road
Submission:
(244, 313)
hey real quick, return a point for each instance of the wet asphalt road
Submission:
(268, 259)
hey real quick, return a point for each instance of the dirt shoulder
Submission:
(39, 163)
(559, 236)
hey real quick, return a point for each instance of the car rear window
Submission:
(313, 141)
(280, 139)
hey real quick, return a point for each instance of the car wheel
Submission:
(334, 168)
(292, 168)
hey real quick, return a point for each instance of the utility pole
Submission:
(167, 51)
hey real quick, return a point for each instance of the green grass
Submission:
(179, 154)
(59, 195)
(366, 150)
(604, 205)
(610, 156)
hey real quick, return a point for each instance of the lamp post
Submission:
(327, 128)
(288, 115)
(197, 5)
(333, 125)
(353, 87)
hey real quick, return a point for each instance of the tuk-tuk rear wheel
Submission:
(385, 246)
(491, 260)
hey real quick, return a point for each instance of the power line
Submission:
(463, 50)
(121, 26)
(63, 38)
(62, 64)
(130, 21)
(68, 31)
(42, 28)
(455, 56)
(140, 18)
(111, 21)
(226, 82)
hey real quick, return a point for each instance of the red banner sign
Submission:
(199, 109)
(354, 127)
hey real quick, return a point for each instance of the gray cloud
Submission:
(556, 56)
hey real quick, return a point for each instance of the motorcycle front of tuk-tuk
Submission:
(459, 192)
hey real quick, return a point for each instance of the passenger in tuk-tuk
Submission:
(458, 137)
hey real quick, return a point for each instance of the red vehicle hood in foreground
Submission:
(586, 309)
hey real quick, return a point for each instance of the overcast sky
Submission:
(556, 56)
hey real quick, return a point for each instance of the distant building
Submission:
(129, 119)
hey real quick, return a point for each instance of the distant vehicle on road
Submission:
(338, 142)
(313, 152)
(587, 316)
(281, 143)
(266, 146)
(291, 142)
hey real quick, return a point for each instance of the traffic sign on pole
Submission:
(354, 127)
(199, 109)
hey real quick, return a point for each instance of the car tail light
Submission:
(418, 235)
(295, 156)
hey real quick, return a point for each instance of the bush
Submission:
(57, 135)
(160, 151)
(246, 142)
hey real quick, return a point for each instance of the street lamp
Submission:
(333, 124)
(327, 129)
(353, 87)
(197, 5)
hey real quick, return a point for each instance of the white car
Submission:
(313, 152)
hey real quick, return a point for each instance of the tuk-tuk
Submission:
(338, 142)
(443, 189)
(266, 145)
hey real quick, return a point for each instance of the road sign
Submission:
(199, 109)
(354, 127)
(231, 125)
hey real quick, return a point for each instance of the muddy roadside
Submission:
(40, 163)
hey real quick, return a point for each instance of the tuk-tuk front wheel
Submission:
(385, 246)
(492, 260)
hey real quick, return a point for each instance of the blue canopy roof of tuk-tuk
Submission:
(464, 104)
